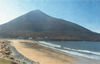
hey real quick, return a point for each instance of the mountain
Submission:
(41, 26)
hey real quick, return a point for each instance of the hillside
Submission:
(41, 26)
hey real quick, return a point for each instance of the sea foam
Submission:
(78, 52)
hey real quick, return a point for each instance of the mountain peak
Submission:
(37, 10)
(37, 13)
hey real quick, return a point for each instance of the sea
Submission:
(86, 49)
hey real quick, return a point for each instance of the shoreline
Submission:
(77, 59)
(41, 54)
(74, 59)
(33, 50)
(71, 51)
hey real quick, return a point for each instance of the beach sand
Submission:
(45, 55)
(39, 53)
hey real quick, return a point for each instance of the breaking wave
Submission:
(83, 53)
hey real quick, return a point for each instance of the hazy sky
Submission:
(83, 12)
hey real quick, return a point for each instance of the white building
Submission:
(30, 38)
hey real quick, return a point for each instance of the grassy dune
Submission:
(3, 61)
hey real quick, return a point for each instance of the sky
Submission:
(83, 12)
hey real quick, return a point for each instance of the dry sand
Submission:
(40, 54)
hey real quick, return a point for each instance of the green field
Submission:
(3, 61)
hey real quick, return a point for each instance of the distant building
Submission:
(45, 37)
(30, 38)
(20, 37)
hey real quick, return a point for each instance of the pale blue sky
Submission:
(83, 12)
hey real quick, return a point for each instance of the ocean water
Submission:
(80, 48)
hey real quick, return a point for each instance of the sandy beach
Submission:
(40, 54)
(44, 55)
